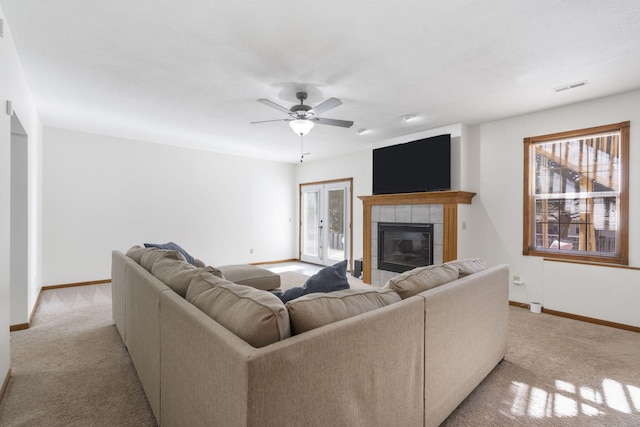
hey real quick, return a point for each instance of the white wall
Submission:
(13, 87)
(103, 193)
(605, 293)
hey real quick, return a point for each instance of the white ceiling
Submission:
(189, 73)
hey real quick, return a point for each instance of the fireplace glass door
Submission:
(402, 247)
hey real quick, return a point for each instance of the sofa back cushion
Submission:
(178, 274)
(420, 279)
(174, 247)
(136, 252)
(314, 310)
(146, 257)
(468, 266)
(256, 316)
(203, 281)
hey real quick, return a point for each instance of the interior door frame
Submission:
(349, 182)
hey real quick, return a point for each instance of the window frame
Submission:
(528, 226)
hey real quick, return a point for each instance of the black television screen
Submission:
(422, 165)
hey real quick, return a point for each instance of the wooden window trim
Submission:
(528, 237)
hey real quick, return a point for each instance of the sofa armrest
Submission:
(203, 368)
(466, 332)
(363, 371)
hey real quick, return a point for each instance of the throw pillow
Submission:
(329, 279)
(315, 310)
(420, 279)
(172, 246)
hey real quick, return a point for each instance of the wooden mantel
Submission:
(449, 201)
(425, 198)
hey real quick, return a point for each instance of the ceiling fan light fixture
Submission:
(301, 126)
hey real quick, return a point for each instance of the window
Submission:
(576, 194)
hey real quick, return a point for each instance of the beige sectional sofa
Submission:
(406, 355)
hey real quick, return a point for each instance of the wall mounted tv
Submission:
(422, 165)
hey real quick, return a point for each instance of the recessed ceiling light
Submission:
(408, 117)
(361, 131)
(571, 86)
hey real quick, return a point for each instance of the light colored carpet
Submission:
(71, 369)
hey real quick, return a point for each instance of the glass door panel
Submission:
(324, 230)
(337, 216)
(311, 225)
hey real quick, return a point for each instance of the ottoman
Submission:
(251, 275)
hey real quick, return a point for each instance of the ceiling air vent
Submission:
(570, 86)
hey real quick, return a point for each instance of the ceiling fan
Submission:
(303, 117)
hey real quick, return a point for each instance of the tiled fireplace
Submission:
(438, 209)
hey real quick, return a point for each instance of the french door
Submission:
(325, 222)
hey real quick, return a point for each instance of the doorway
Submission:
(325, 221)
(18, 269)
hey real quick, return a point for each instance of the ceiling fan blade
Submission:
(325, 106)
(274, 105)
(333, 122)
(275, 120)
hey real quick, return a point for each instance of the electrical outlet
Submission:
(251, 251)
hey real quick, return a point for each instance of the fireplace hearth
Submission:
(403, 247)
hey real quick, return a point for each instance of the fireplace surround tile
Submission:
(436, 213)
(375, 213)
(438, 233)
(438, 208)
(420, 214)
(403, 213)
(388, 213)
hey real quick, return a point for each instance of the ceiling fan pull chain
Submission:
(301, 148)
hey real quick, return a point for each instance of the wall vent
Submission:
(571, 86)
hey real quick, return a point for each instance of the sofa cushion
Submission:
(203, 281)
(256, 316)
(177, 274)
(136, 252)
(251, 275)
(151, 255)
(420, 279)
(318, 309)
(329, 279)
(468, 266)
(174, 247)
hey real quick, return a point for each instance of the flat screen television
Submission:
(422, 165)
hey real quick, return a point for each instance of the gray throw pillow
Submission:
(329, 279)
